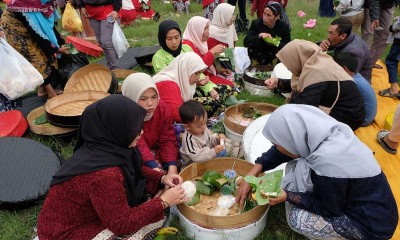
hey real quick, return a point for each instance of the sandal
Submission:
(380, 136)
(387, 93)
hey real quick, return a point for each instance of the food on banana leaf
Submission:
(251, 112)
(190, 189)
(40, 120)
(215, 178)
(203, 188)
(195, 200)
(273, 41)
(266, 186)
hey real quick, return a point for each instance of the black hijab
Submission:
(106, 130)
(163, 29)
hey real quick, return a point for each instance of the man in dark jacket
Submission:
(342, 39)
(375, 35)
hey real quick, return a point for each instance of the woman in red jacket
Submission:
(196, 35)
(158, 144)
(103, 190)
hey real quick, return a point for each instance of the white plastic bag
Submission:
(18, 76)
(120, 43)
(242, 60)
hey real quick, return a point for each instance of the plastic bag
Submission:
(242, 59)
(18, 76)
(71, 20)
(70, 63)
(120, 43)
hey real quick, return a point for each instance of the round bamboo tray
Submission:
(257, 81)
(66, 109)
(47, 128)
(233, 115)
(217, 222)
(92, 77)
(121, 75)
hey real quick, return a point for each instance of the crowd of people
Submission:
(124, 170)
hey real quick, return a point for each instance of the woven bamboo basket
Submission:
(217, 222)
(47, 129)
(121, 75)
(234, 120)
(66, 109)
(93, 77)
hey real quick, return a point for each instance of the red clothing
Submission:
(259, 6)
(127, 16)
(212, 42)
(99, 12)
(159, 131)
(146, 14)
(170, 93)
(205, 3)
(208, 59)
(85, 205)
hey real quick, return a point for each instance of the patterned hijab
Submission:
(221, 27)
(180, 70)
(324, 145)
(309, 65)
(163, 30)
(135, 85)
(194, 32)
(42, 6)
(107, 128)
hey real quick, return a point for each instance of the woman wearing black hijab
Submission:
(170, 40)
(103, 189)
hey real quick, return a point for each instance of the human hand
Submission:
(226, 72)
(171, 180)
(214, 94)
(114, 15)
(264, 35)
(174, 196)
(275, 200)
(242, 193)
(219, 148)
(63, 49)
(84, 13)
(324, 45)
(220, 137)
(217, 49)
(271, 83)
(374, 24)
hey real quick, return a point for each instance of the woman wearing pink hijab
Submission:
(196, 35)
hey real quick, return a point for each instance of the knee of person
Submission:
(293, 222)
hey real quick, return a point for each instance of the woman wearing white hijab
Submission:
(333, 187)
(157, 144)
(222, 29)
(177, 84)
(196, 35)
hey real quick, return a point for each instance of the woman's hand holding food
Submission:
(217, 49)
(171, 180)
(271, 83)
(173, 196)
(214, 94)
(275, 200)
(202, 82)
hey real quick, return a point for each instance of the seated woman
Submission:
(170, 40)
(196, 36)
(127, 13)
(29, 28)
(319, 81)
(103, 189)
(269, 26)
(222, 29)
(177, 84)
(158, 144)
(333, 187)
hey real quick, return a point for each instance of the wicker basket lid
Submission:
(65, 110)
(12, 123)
(93, 77)
(121, 75)
(47, 128)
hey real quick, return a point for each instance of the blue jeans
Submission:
(392, 61)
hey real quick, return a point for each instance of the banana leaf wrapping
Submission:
(266, 186)
(215, 178)
(225, 60)
(273, 41)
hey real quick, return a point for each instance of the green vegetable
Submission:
(268, 185)
(40, 120)
(195, 200)
(249, 204)
(202, 188)
(273, 41)
(262, 75)
(215, 178)
(251, 112)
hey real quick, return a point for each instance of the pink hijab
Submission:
(194, 32)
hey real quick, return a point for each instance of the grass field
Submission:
(19, 224)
